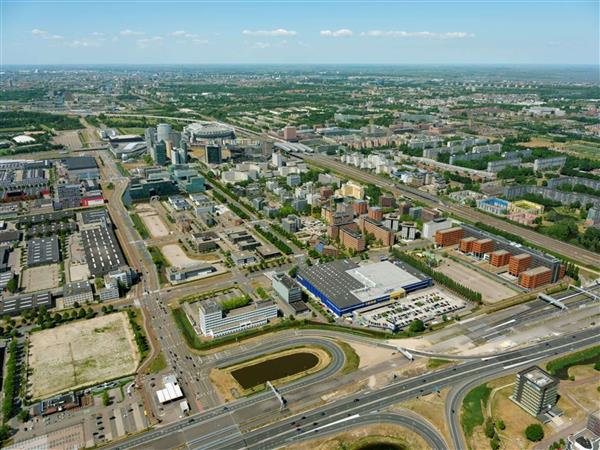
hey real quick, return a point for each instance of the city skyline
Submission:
(300, 33)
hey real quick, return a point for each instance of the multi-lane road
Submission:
(569, 251)
(319, 420)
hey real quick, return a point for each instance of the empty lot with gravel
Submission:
(81, 353)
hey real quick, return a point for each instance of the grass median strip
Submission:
(560, 367)
(472, 409)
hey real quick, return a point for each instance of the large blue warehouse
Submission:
(345, 286)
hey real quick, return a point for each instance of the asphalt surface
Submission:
(571, 251)
(283, 431)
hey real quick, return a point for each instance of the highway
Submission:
(569, 251)
(366, 402)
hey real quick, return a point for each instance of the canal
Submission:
(274, 369)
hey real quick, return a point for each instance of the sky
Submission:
(301, 32)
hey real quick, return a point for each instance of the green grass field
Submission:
(472, 409)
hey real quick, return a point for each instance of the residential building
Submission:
(536, 277)
(352, 240)
(518, 263)
(448, 237)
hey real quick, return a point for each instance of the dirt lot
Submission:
(68, 139)
(82, 353)
(357, 437)
(154, 223)
(491, 291)
(177, 257)
(41, 278)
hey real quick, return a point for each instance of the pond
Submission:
(274, 369)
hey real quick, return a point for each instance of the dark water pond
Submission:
(274, 369)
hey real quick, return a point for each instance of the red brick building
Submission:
(448, 237)
(535, 277)
(518, 263)
(466, 244)
(483, 246)
(380, 232)
(351, 239)
(499, 258)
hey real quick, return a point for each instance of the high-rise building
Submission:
(163, 132)
(535, 391)
(159, 153)
(289, 133)
(277, 160)
(213, 154)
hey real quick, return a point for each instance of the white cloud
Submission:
(131, 33)
(96, 34)
(178, 33)
(200, 41)
(45, 35)
(261, 45)
(344, 32)
(417, 34)
(147, 42)
(85, 43)
(277, 32)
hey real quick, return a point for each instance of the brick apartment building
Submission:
(448, 237)
(518, 263)
(499, 258)
(380, 232)
(535, 277)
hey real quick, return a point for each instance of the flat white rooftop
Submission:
(380, 279)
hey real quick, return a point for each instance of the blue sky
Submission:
(390, 32)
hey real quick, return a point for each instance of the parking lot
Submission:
(430, 306)
(41, 278)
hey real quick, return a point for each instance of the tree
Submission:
(293, 271)
(105, 398)
(489, 428)
(495, 442)
(5, 432)
(12, 285)
(500, 424)
(23, 415)
(417, 326)
(534, 432)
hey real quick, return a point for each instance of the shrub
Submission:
(534, 432)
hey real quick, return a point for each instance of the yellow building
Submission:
(352, 189)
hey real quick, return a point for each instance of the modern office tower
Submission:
(175, 157)
(169, 147)
(213, 154)
(183, 154)
(277, 160)
(150, 137)
(535, 390)
(266, 148)
(163, 132)
(159, 153)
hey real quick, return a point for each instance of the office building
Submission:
(589, 437)
(213, 154)
(215, 322)
(68, 196)
(287, 289)
(536, 391)
(13, 306)
(352, 189)
(77, 291)
(291, 223)
(41, 251)
(159, 153)
(343, 286)
(163, 132)
(375, 213)
(293, 180)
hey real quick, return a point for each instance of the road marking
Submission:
(345, 419)
(504, 323)
(515, 365)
